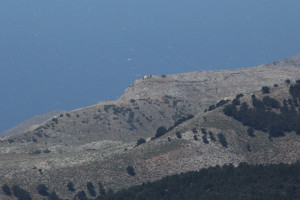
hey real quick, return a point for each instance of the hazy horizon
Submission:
(63, 55)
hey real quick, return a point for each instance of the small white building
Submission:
(147, 76)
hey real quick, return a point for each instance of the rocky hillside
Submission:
(146, 105)
(210, 138)
(99, 143)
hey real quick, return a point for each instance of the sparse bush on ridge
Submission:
(160, 131)
(140, 141)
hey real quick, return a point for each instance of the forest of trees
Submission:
(268, 115)
(245, 182)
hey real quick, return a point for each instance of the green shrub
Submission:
(203, 130)
(195, 137)
(211, 136)
(46, 151)
(250, 132)
(42, 190)
(265, 90)
(178, 134)
(6, 190)
(204, 139)
(81, 195)
(91, 189)
(160, 131)
(53, 196)
(222, 140)
(70, 186)
(211, 107)
(101, 188)
(20, 193)
(130, 170)
(140, 141)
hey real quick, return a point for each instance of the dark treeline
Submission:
(268, 115)
(244, 182)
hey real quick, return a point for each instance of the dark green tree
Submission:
(42, 190)
(20, 193)
(6, 190)
(211, 136)
(160, 131)
(265, 89)
(222, 140)
(250, 132)
(140, 141)
(101, 188)
(70, 186)
(130, 170)
(53, 196)
(91, 189)
(204, 139)
(178, 134)
(195, 137)
(81, 195)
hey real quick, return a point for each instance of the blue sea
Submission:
(62, 55)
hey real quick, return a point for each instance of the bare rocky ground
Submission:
(97, 143)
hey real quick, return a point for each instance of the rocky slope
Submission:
(146, 105)
(172, 153)
(98, 143)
